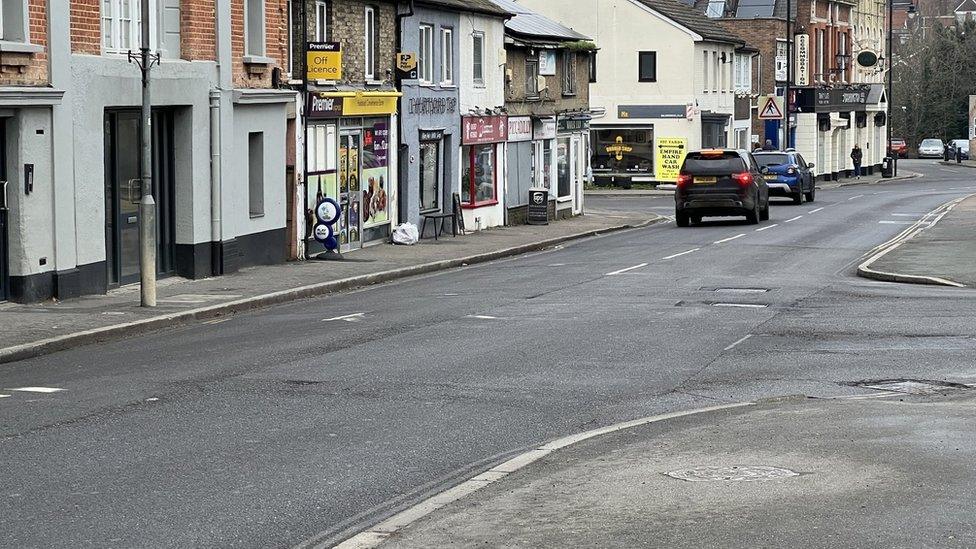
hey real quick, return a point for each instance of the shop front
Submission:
(430, 142)
(351, 161)
(482, 184)
(571, 151)
(520, 154)
(622, 155)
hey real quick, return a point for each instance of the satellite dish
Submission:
(867, 58)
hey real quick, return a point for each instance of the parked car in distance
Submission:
(931, 148)
(899, 146)
(787, 174)
(961, 145)
(719, 183)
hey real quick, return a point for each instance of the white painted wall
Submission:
(492, 93)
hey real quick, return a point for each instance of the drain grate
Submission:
(732, 473)
(912, 386)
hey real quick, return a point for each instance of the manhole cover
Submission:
(912, 386)
(729, 473)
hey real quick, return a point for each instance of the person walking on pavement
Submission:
(857, 155)
(769, 145)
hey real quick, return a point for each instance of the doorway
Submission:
(4, 216)
(123, 192)
(350, 190)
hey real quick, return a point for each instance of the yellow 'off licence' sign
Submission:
(324, 61)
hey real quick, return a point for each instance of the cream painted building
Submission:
(869, 26)
(663, 71)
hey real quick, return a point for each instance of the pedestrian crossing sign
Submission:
(771, 108)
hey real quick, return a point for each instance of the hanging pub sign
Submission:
(324, 61)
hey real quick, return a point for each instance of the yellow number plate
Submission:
(706, 179)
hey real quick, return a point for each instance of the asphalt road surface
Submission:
(305, 422)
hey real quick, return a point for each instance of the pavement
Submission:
(892, 472)
(304, 423)
(30, 330)
(940, 251)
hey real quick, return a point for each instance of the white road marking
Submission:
(355, 317)
(890, 222)
(556, 265)
(907, 215)
(815, 211)
(621, 271)
(856, 197)
(742, 305)
(216, 321)
(36, 389)
(792, 220)
(734, 345)
(672, 256)
(729, 238)
(152, 399)
(4, 396)
(483, 317)
(761, 229)
(113, 313)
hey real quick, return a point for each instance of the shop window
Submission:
(321, 20)
(532, 77)
(430, 162)
(254, 27)
(478, 58)
(371, 39)
(255, 173)
(544, 175)
(569, 73)
(648, 66)
(425, 61)
(478, 181)
(447, 57)
(564, 176)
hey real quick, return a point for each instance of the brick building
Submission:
(71, 125)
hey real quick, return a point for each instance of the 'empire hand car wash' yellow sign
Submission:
(324, 61)
(670, 154)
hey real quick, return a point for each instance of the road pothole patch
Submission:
(732, 473)
(912, 386)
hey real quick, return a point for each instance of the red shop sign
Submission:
(484, 129)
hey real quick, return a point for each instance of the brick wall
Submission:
(86, 27)
(762, 35)
(552, 99)
(198, 31)
(28, 69)
(275, 48)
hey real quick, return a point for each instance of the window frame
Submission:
(447, 57)
(116, 22)
(371, 42)
(438, 184)
(478, 65)
(640, 66)
(425, 63)
(532, 77)
(472, 192)
(705, 71)
(570, 87)
(248, 29)
(17, 41)
(321, 20)
(255, 181)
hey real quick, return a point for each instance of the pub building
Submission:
(352, 161)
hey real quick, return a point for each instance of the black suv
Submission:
(720, 182)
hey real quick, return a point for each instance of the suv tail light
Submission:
(684, 179)
(744, 179)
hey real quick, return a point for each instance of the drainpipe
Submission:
(216, 225)
(403, 151)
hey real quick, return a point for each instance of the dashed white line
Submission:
(483, 317)
(4, 396)
(729, 239)
(742, 305)
(761, 229)
(907, 215)
(681, 254)
(890, 222)
(621, 271)
(815, 211)
(36, 389)
(855, 197)
(792, 220)
(734, 345)
(355, 317)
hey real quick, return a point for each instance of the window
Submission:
(478, 182)
(478, 58)
(544, 176)
(705, 71)
(569, 73)
(820, 55)
(121, 25)
(715, 9)
(255, 173)
(592, 67)
(429, 175)
(254, 31)
(321, 20)
(531, 76)
(647, 66)
(447, 57)
(743, 73)
(715, 70)
(425, 62)
(723, 85)
(564, 177)
(371, 42)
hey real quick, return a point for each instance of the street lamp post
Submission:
(891, 72)
(789, 77)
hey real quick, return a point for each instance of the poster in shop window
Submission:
(376, 188)
(669, 155)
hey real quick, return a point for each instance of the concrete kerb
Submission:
(106, 333)
(376, 535)
(910, 175)
(928, 220)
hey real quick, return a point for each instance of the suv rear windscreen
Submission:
(772, 159)
(713, 164)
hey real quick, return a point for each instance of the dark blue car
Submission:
(787, 175)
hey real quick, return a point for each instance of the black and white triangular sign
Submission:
(770, 109)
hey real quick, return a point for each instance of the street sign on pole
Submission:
(771, 108)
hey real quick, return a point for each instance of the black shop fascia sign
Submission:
(832, 99)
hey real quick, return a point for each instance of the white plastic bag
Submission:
(406, 234)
